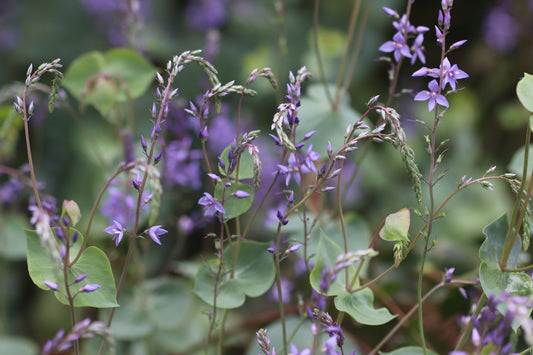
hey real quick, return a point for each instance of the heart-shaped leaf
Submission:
(524, 91)
(253, 275)
(104, 79)
(360, 305)
(93, 262)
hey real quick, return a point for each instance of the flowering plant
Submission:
(205, 230)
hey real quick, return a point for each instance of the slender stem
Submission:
(351, 29)
(508, 245)
(468, 328)
(279, 288)
(321, 70)
(410, 313)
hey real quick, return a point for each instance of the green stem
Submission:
(321, 70)
(509, 241)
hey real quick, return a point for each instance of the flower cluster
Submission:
(83, 329)
(493, 325)
(446, 74)
(405, 32)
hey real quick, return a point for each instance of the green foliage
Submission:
(360, 305)
(93, 261)
(10, 126)
(328, 251)
(246, 165)
(330, 124)
(396, 227)
(524, 91)
(252, 275)
(493, 280)
(234, 206)
(105, 79)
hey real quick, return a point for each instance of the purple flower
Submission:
(418, 50)
(154, 233)
(295, 351)
(211, 206)
(117, 230)
(451, 73)
(433, 96)
(398, 46)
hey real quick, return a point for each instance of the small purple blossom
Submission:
(154, 233)
(80, 278)
(451, 73)
(432, 96)
(398, 46)
(117, 230)
(211, 206)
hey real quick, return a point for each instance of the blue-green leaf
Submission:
(234, 206)
(93, 262)
(253, 275)
(360, 305)
(524, 91)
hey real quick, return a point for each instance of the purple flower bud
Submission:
(75, 236)
(63, 252)
(65, 221)
(308, 135)
(458, 44)
(372, 101)
(330, 150)
(160, 78)
(158, 157)
(390, 12)
(203, 133)
(80, 278)
(90, 287)
(143, 143)
(214, 177)
(221, 163)
(154, 110)
(294, 248)
(299, 146)
(165, 111)
(227, 184)
(291, 197)
(173, 93)
(30, 108)
(59, 233)
(241, 194)
(136, 184)
(51, 285)
(275, 139)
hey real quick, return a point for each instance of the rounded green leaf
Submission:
(328, 251)
(104, 79)
(246, 165)
(92, 261)
(360, 305)
(396, 227)
(317, 114)
(229, 295)
(253, 275)
(234, 206)
(524, 91)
